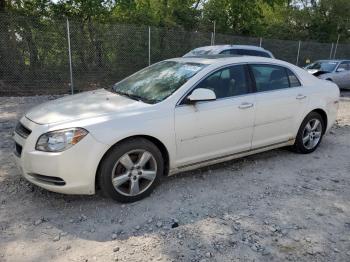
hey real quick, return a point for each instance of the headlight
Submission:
(60, 140)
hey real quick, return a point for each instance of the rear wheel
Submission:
(310, 134)
(131, 170)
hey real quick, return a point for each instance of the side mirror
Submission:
(201, 94)
(341, 70)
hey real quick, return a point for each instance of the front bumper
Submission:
(69, 172)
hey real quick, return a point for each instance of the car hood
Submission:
(81, 106)
(312, 71)
(318, 73)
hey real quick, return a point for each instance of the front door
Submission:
(211, 129)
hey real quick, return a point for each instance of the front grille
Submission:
(18, 150)
(52, 180)
(22, 130)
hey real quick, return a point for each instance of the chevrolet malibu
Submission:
(175, 115)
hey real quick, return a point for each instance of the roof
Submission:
(221, 47)
(213, 56)
(216, 49)
(332, 60)
(214, 59)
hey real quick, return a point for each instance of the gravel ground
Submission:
(273, 206)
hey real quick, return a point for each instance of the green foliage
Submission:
(33, 35)
(321, 20)
(168, 13)
(235, 16)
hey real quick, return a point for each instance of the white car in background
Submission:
(176, 115)
(249, 50)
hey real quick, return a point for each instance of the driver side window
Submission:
(227, 82)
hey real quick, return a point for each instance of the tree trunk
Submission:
(2, 5)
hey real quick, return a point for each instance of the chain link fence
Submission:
(35, 57)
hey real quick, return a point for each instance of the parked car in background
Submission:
(337, 71)
(176, 115)
(249, 50)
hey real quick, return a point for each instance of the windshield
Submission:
(326, 66)
(155, 83)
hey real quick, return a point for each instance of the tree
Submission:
(168, 13)
(320, 20)
(244, 17)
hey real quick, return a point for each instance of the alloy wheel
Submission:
(312, 133)
(134, 172)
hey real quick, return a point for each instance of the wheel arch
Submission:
(324, 116)
(154, 140)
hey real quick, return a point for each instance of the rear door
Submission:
(280, 102)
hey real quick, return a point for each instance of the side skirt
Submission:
(225, 158)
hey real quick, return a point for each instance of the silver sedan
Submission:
(337, 71)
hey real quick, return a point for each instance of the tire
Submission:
(305, 144)
(131, 170)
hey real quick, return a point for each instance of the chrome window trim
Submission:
(219, 100)
(277, 90)
(238, 96)
(178, 104)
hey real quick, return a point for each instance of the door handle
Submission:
(245, 105)
(300, 96)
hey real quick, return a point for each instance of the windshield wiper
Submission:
(134, 97)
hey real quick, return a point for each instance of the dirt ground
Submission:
(274, 206)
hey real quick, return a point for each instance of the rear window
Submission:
(253, 53)
(293, 80)
(230, 52)
(272, 77)
(269, 77)
(246, 52)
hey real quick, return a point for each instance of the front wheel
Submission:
(131, 170)
(310, 134)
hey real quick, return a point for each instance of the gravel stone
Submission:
(274, 204)
(38, 222)
(208, 254)
(57, 238)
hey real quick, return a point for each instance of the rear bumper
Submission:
(69, 172)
